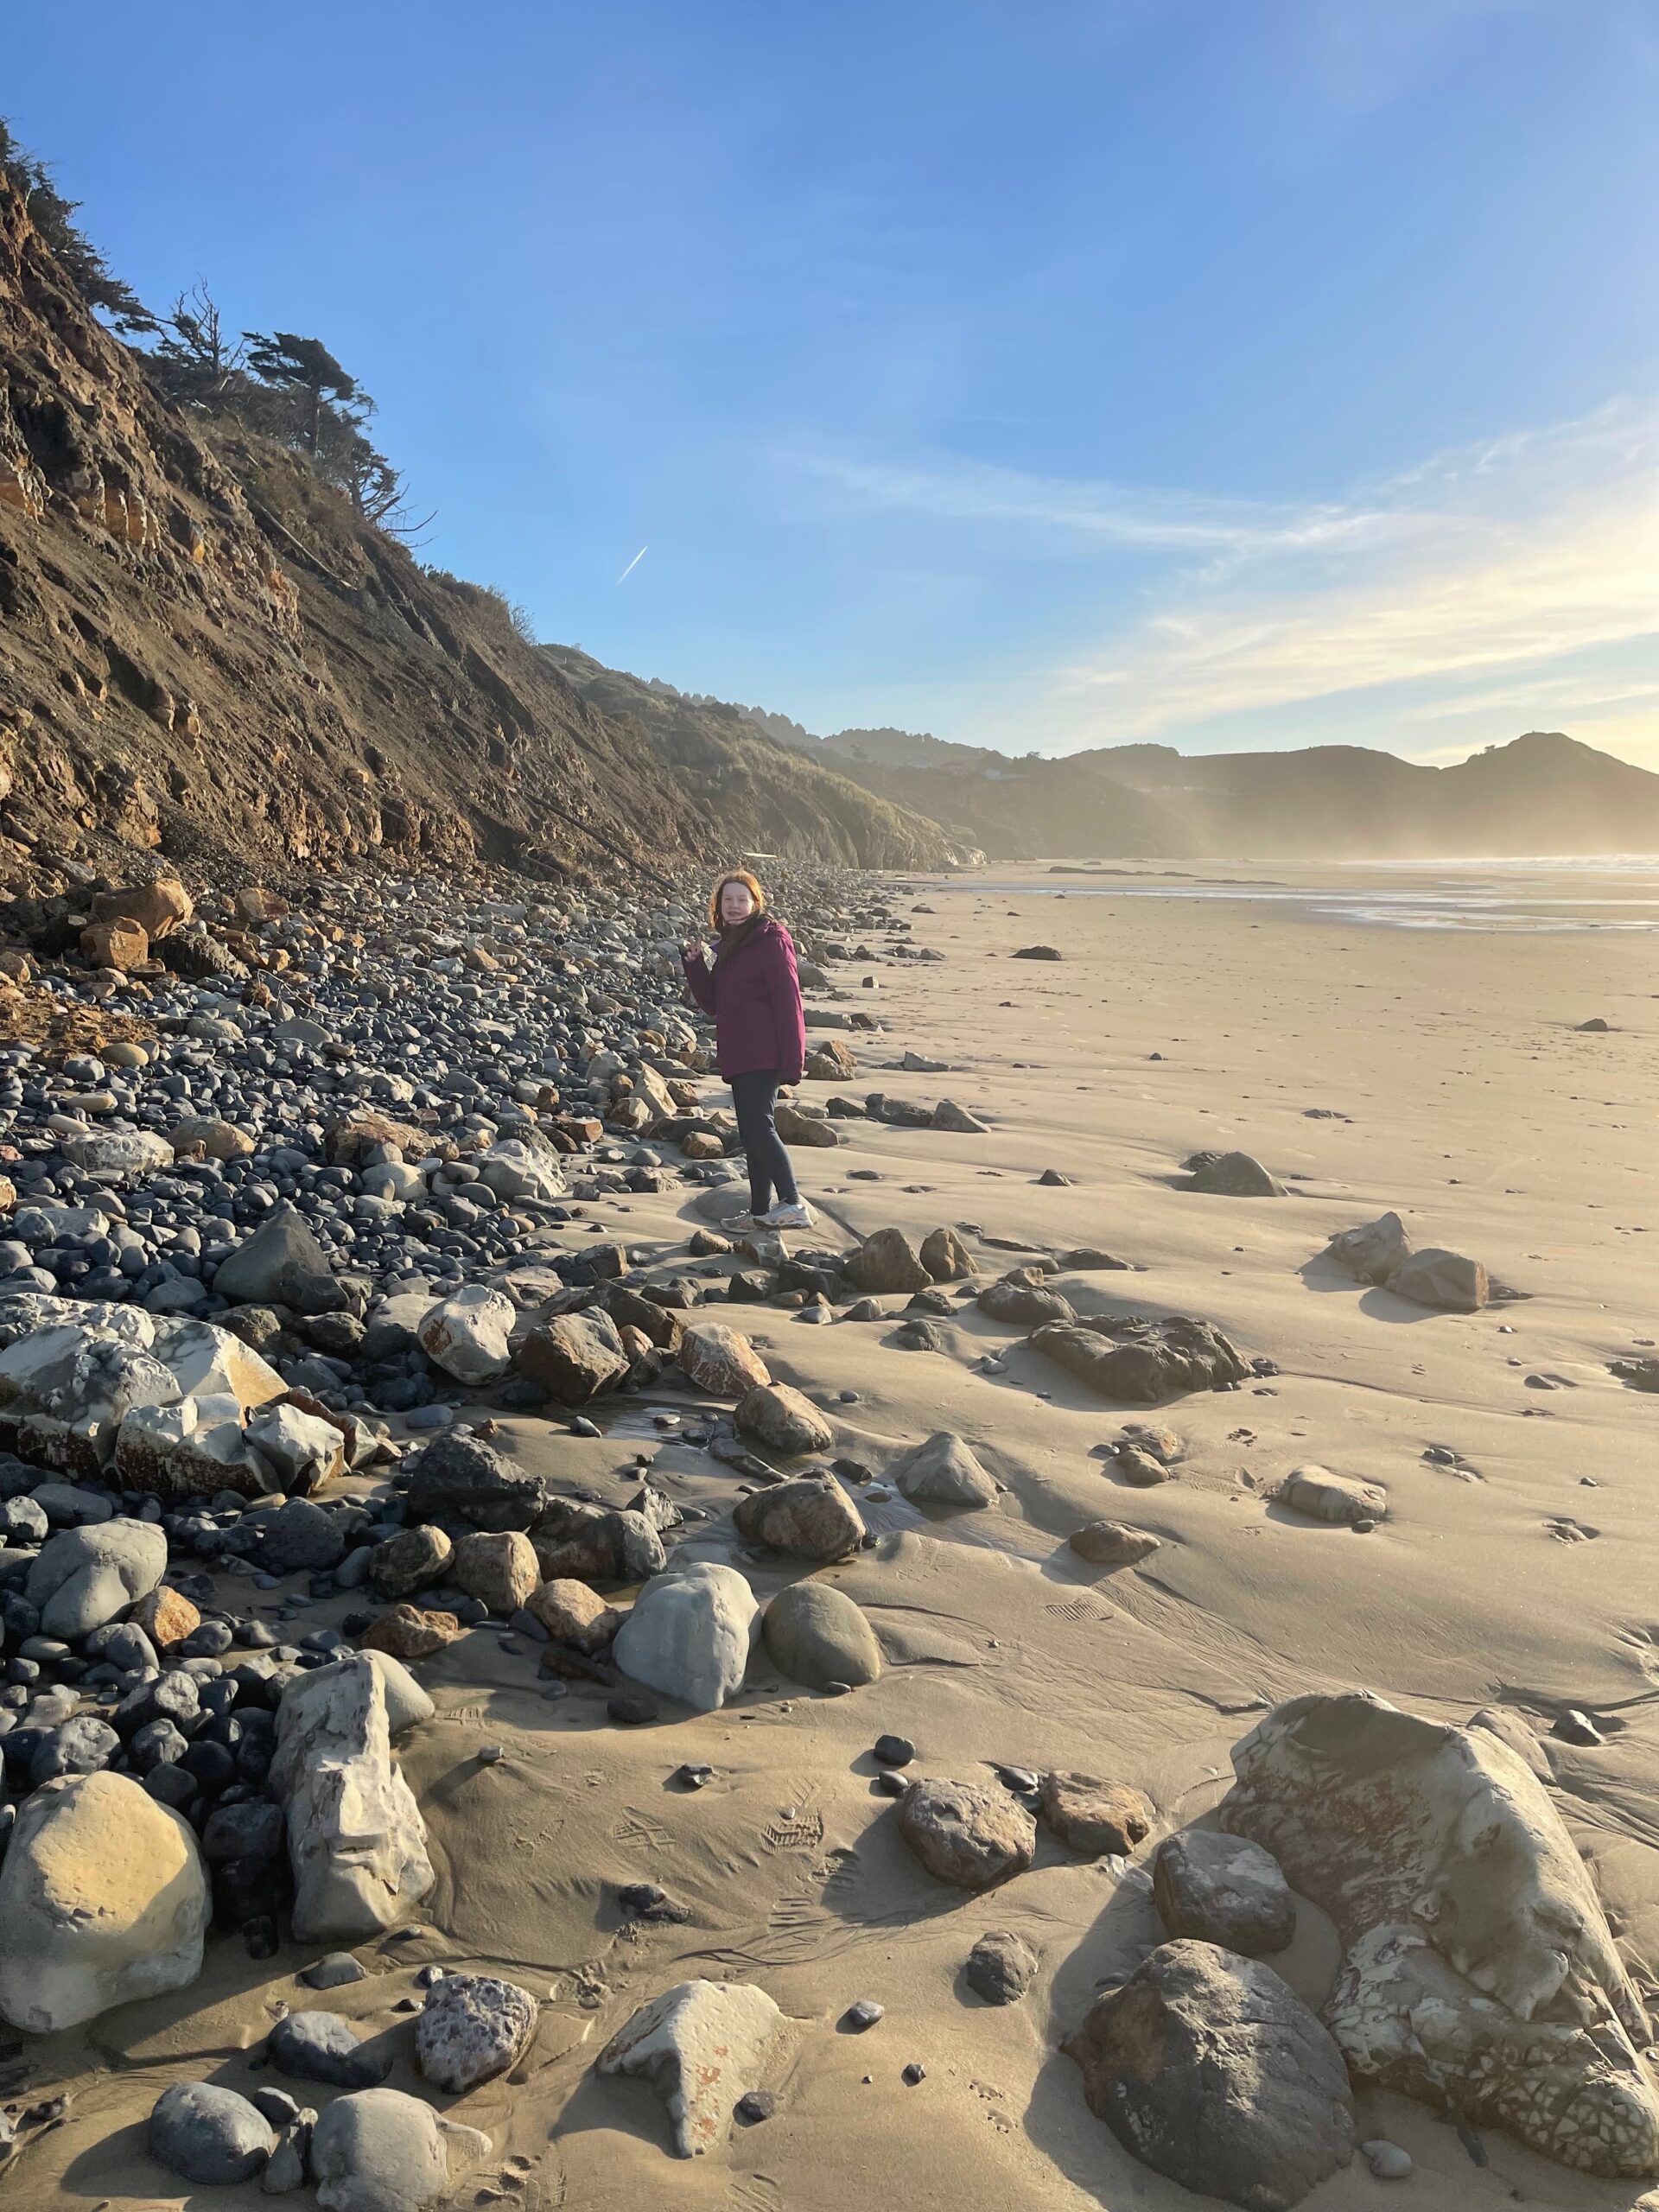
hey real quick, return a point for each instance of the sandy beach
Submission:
(1439, 1071)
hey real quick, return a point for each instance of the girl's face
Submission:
(736, 904)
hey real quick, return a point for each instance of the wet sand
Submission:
(1441, 1074)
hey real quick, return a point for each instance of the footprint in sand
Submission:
(1568, 1531)
(754, 2193)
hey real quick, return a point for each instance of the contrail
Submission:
(634, 564)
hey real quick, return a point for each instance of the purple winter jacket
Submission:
(754, 996)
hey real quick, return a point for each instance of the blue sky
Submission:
(1230, 373)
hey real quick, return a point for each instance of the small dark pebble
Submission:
(755, 2105)
(894, 1751)
(862, 2015)
(889, 1784)
(692, 1777)
(914, 2073)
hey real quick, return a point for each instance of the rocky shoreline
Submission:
(307, 1202)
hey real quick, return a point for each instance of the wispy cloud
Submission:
(1522, 552)
(959, 490)
(1513, 565)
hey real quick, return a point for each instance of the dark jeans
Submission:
(755, 1096)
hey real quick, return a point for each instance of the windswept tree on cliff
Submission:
(306, 369)
(195, 361)
(52, 217)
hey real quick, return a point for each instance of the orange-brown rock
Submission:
(120, 944)
(166, 1616)
(408, 1633)
(158, 908)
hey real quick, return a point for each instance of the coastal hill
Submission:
(213, 645)
(1545, 793)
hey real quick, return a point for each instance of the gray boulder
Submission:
(1023, 1300)
(574, 1356)
(294, 1536)
(1371, 1252)
(1001, 1967)
(971, 1837)
(886, 1262)
(597, 1543)
(943, 1471)
(1212, 2071)
(356, 1840)
(281, 1264)
(84, 1577)
(466, 1477)
(1446, 1281)
(473, 2028)
(321, 2047)
(379, 2151)
(1223, 1889)
(690, 1635)
(1143, 1363)
(1319, 1495)
(776, 1415)
(1230, 1175)
(208, 2135)
(702, 2045)
(103, 1899)
(413, 1559)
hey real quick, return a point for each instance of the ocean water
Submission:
(1550, 894)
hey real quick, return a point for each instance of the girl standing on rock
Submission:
(754, 991)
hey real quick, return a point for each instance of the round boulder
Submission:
(817, 1636)
(103, 1899)
(1212, 2071)
(208, 2135)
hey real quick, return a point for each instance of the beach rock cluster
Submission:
(1380, 1252)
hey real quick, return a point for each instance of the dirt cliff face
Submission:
(205, 653)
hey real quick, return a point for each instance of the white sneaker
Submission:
(799, 1216)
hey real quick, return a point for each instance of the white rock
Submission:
(690, 1635)
(356, 1840)
(304, 1450)
(124, 1152)
(379, 2151)
(68, 1388)
(407, 1703)
(190, 1449)
(701, 2045)
(513, 1170)
(25, 1311)
(102, 1900)
(210, 1363)
(395, 1180)
(465, 1334)
(84, 1577)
